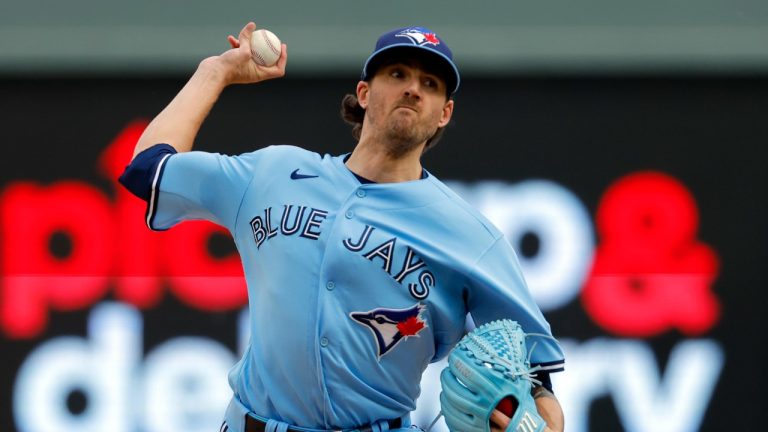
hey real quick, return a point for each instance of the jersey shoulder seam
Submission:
(459, 202)
(485, 252)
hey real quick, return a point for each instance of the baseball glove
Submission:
(487, 365)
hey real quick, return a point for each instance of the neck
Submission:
(371, 160)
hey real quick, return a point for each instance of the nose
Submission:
(413, 88)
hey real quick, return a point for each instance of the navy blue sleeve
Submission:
(546, 380)
(141, 173)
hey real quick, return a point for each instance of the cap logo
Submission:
(419, 37)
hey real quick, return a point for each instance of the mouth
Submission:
(407, 107)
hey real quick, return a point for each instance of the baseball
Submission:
(265, 47)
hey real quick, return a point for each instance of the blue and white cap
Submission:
(422, 41)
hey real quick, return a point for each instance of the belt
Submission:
(256, 425)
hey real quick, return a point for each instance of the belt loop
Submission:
(405, 421)
(276, 426)
(271, 426)
(380, 426)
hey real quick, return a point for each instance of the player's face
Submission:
(405, 104)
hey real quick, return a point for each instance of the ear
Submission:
(362, 93)
(447, 113)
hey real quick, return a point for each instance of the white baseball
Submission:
(265, 47)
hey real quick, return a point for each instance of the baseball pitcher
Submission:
(372, 260)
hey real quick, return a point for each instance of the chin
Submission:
(400, 145)
(402, 134)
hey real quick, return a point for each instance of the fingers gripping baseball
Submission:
(238, 61)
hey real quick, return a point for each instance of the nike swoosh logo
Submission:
(296, 176)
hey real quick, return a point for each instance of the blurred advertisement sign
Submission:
(645, 275)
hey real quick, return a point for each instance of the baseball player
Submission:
(361, 268)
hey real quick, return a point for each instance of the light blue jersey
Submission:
(353, 288)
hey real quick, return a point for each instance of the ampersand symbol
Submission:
(650, 273)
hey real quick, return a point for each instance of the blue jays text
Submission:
(294, 221)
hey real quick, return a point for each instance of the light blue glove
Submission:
(487, 365)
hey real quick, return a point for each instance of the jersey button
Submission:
(324, 342)
(349, 214)
(330, 285)
(360, 193)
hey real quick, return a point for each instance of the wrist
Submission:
(213, 72)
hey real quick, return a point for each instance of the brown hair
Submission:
(353, 114)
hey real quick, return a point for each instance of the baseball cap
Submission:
(418, 40)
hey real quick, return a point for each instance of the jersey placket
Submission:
(328, 292)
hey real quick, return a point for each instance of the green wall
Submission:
(143, 37)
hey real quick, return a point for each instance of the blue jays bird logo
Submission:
(390, 326)
(419, 36)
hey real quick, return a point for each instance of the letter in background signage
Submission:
(101, 368)
(108, 244)
(182, 254)
(627, 371)
(550, 229)
(186, 385)
(182, 385)
(33, 278)
(136, 259)
(677, 403)
(650, 273)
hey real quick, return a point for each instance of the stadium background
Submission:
(567, 112)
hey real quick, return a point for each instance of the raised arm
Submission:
(180, 121)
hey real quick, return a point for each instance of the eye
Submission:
(432, 83)
(396, 73)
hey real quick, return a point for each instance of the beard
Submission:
(405, 133)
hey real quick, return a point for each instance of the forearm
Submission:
(549, 409)
(178, 124)
(180, 121)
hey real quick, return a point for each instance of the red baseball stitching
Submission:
(259, 59)
(269, 43)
